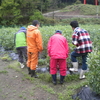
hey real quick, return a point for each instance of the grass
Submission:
(83, 9)
(3, 72)
(5, 58)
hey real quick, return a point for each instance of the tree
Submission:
(9, 12)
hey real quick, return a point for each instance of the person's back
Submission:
(34, 43)
(34, 40)
(21, 46)
(81, 39)
(58, 51)
(20, 38)
(58, 47)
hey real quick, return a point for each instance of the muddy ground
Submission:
(14, 85)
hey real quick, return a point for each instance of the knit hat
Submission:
(22, 28)
(58, 31)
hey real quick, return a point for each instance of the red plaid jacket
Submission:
(81, 39)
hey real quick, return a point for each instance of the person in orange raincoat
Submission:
(34, 46)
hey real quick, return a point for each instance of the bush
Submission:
(41, 62)
(94, 71)
(78, 2)
(37, 16)
(7, 38)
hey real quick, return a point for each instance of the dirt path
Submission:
(14, 86)
(63, 15)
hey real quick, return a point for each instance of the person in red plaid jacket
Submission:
(81, 39)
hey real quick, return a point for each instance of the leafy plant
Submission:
(10, 12)
(6, 58)
(7, 37)
(37, 15)
(78, 2)
(41, 62)
(94, 71)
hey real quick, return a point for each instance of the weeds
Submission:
(48, 89)
(3, 72)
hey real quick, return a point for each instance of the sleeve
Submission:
(75, 39)
(39, 41)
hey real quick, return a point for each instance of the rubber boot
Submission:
(82, 76)
(33, 74)
(62, 79)
(22, 65)
(54, 80)
(29, 70)
(75, 67)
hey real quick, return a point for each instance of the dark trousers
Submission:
(22, 54)
(84, 58)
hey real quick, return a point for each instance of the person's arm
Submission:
(39, 41)
(75, 39)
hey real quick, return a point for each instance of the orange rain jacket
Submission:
(34, 45)
(34, 39)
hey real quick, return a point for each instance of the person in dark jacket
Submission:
(21, 46)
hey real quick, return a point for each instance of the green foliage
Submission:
(81, 21)
(41, 62)
(6, 58)
(72, 77)
(3, 72)
(37, 16)
(78, 2)
(9, 12)
(83, 9)
(7, 37)
(94, 70)
(22, 11)
(48, 89)
(46, 77)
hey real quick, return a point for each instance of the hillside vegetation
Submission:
(84, 14)
(83, 9)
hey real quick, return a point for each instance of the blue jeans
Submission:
(84, 58)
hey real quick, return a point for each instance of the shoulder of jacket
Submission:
(36, 31)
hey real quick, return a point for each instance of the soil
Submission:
(14, 85)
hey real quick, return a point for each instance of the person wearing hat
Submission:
(58, 51)
(21, 46)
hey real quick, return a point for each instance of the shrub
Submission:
(41, 62)
(7, 38)
(37, 16)
(78, 2)
(94, 71)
